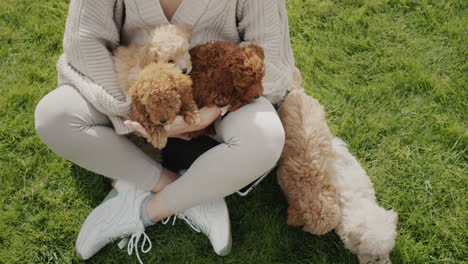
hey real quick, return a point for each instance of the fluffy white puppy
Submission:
(366, 229)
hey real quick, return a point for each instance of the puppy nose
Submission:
(162, 121)
(256, 97)
(184, 70)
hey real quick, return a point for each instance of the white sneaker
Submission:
(212, 219)
(116, 217)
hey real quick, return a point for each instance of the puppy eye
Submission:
(171, 61)
(162, 121)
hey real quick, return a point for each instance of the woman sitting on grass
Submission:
(83, 119)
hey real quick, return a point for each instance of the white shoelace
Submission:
(183, 217)
(132, 241)
(133, 244)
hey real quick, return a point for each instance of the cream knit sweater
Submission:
(95, 27)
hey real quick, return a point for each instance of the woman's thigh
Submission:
(63, 112)
(72, 128)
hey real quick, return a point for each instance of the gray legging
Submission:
(252, 140)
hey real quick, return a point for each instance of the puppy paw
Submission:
(158, 138)
(326, 215)
(330, 206)
(158, 142)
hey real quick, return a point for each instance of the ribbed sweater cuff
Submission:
(117, 111)
(119, 126)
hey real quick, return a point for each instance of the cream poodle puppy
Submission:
(366, 229)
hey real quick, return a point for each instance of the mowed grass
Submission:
(392, 76)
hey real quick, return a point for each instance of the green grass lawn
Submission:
(392, 75)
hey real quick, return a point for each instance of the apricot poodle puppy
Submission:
(160, 93)
(303, 169)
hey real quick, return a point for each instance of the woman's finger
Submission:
(177, 127)
(208, 115)
(137, 127)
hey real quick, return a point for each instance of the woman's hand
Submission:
(179, 128)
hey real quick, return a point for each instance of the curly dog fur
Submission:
(325, 185)
(303, 168)
(160, 93)
(366, 229)
(152, 74)
(166, 43)
(226, 74)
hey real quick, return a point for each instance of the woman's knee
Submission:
(266, 145)
(59, 114)
(47, 117)
(261, 135)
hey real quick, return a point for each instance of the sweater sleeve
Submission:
(90, 35)
(265, 23)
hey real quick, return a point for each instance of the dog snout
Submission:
(186, 68)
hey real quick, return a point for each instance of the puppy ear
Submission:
(138, 112)
(147, 55)
(257, 50)
(140, 91)
(246, 66)
(239, 70)
(186, 31)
